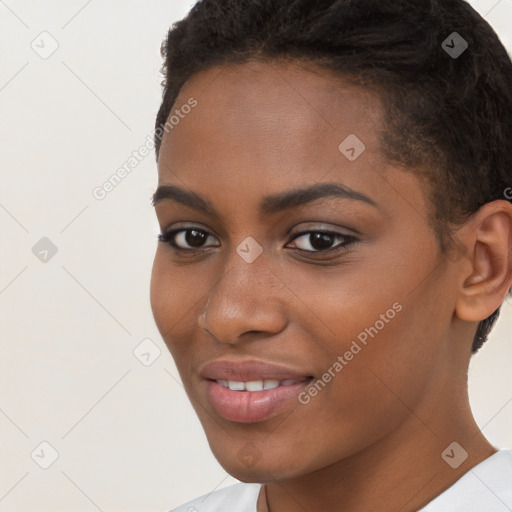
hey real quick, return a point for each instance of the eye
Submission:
(322, 241)
(190, 239)
(194, 240)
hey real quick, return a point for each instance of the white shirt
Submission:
(485, 488)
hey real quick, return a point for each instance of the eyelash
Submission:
(168, 238)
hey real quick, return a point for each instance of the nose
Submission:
(249, 298)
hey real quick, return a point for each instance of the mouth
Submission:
(258, 385)
(251, 391)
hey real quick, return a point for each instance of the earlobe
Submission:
(488, 278)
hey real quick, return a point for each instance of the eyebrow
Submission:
(270, 204)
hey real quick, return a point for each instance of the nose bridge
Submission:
(247, 297)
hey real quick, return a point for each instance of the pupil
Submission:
(321, 240)
(195, 238)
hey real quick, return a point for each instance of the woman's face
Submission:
(314, 261)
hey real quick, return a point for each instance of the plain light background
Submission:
(124, 434)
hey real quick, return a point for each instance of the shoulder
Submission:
(240, 497)
(487, 486)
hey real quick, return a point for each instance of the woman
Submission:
(335, 246)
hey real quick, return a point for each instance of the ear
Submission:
(486, 269)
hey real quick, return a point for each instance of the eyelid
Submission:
(348, 240)
(168, 237)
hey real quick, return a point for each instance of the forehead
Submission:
(266, 102)
(262, 127)
(288, 86)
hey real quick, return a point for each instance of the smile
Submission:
(256, 385)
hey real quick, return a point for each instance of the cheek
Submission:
(159, 299)
(340, 308)
(175, 296)
(392, 352)
(171, 290)
(168, 302)
(387, 338)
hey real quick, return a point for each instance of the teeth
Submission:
(270, 384)
(255, 385)
(236, 386)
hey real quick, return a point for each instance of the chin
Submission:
(250, 467)
(260, 475)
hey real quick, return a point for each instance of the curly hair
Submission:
(448, 116)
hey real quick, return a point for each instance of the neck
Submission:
(402, 471)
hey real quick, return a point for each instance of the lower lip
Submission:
(252, 406)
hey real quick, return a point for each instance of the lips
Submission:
(251, 391)
(246, 371)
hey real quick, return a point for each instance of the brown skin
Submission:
(373, 438)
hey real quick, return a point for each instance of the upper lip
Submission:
(248, 370)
